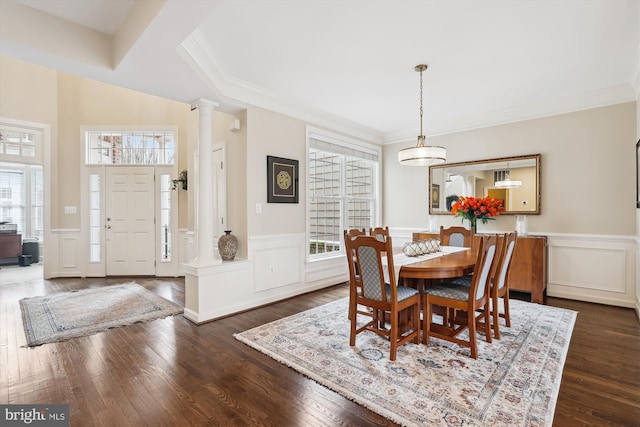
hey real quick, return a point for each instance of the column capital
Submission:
(202, 102)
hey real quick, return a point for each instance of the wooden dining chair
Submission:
(456, 236)
(380, 233)
(470, 299)
(381, 296)
(351, 259)
(500, 282)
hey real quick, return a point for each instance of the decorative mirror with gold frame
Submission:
(514, 180)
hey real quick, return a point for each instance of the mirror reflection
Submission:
(514, 180)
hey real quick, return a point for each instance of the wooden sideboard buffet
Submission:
(529, 265)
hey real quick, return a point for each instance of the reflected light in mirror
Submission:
(514, 180)
(508, 183)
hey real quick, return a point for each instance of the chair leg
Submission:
(473, 346)
(426, 320)
(487, 322)
(393, 337)
(353, 320)
(495, 312)
(507, 316)
(416, 324)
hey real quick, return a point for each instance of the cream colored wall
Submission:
(83, 102)
(235, 167)
(273, 134)
(236, 174)
(237, 183)
(587, 168)
(637, 219)
(29, 93)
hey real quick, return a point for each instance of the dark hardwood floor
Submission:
(170, 372)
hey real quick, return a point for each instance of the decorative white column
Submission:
(205, 212)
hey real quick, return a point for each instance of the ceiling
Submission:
(349, 64)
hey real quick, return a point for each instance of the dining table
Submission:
(447, 263)
(422, 271)
(454, 263)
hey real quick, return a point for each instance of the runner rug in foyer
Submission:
(514, 382)
(63, 315)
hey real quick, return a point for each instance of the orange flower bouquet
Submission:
(475, 209)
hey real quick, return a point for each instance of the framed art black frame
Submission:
(638, 174)
(435, 196)
(282, 180)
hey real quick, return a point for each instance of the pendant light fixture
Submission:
(506, 181)
(421, 154)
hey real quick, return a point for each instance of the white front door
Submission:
(130, 221)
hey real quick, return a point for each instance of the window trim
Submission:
(348, 143)
(85, 130)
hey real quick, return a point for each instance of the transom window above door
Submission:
(130, 147)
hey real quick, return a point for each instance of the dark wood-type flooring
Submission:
(170, 372)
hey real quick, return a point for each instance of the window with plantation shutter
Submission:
(342, 191)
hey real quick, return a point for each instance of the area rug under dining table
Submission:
(515, 380)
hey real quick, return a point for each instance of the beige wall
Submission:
(83, 102)
(30, 93)
(587, 168)
(272, 134)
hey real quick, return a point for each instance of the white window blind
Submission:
(341, 192)
(22, 198)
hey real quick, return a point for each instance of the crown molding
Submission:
(198, 53)
(562, 105)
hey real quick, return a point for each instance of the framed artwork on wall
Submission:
(435, 196)
(282, 180)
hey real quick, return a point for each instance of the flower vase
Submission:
(227, 246)
(473, 225)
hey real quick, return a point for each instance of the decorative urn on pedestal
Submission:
(227, 246)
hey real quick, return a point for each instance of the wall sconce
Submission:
(181, 178)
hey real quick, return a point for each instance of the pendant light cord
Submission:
(420, 103)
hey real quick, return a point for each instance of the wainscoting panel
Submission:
(327, 272)
(277, 260)
(186, 248)
(63, 254)
(583, 268)
(274, 270)
(592, 268)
